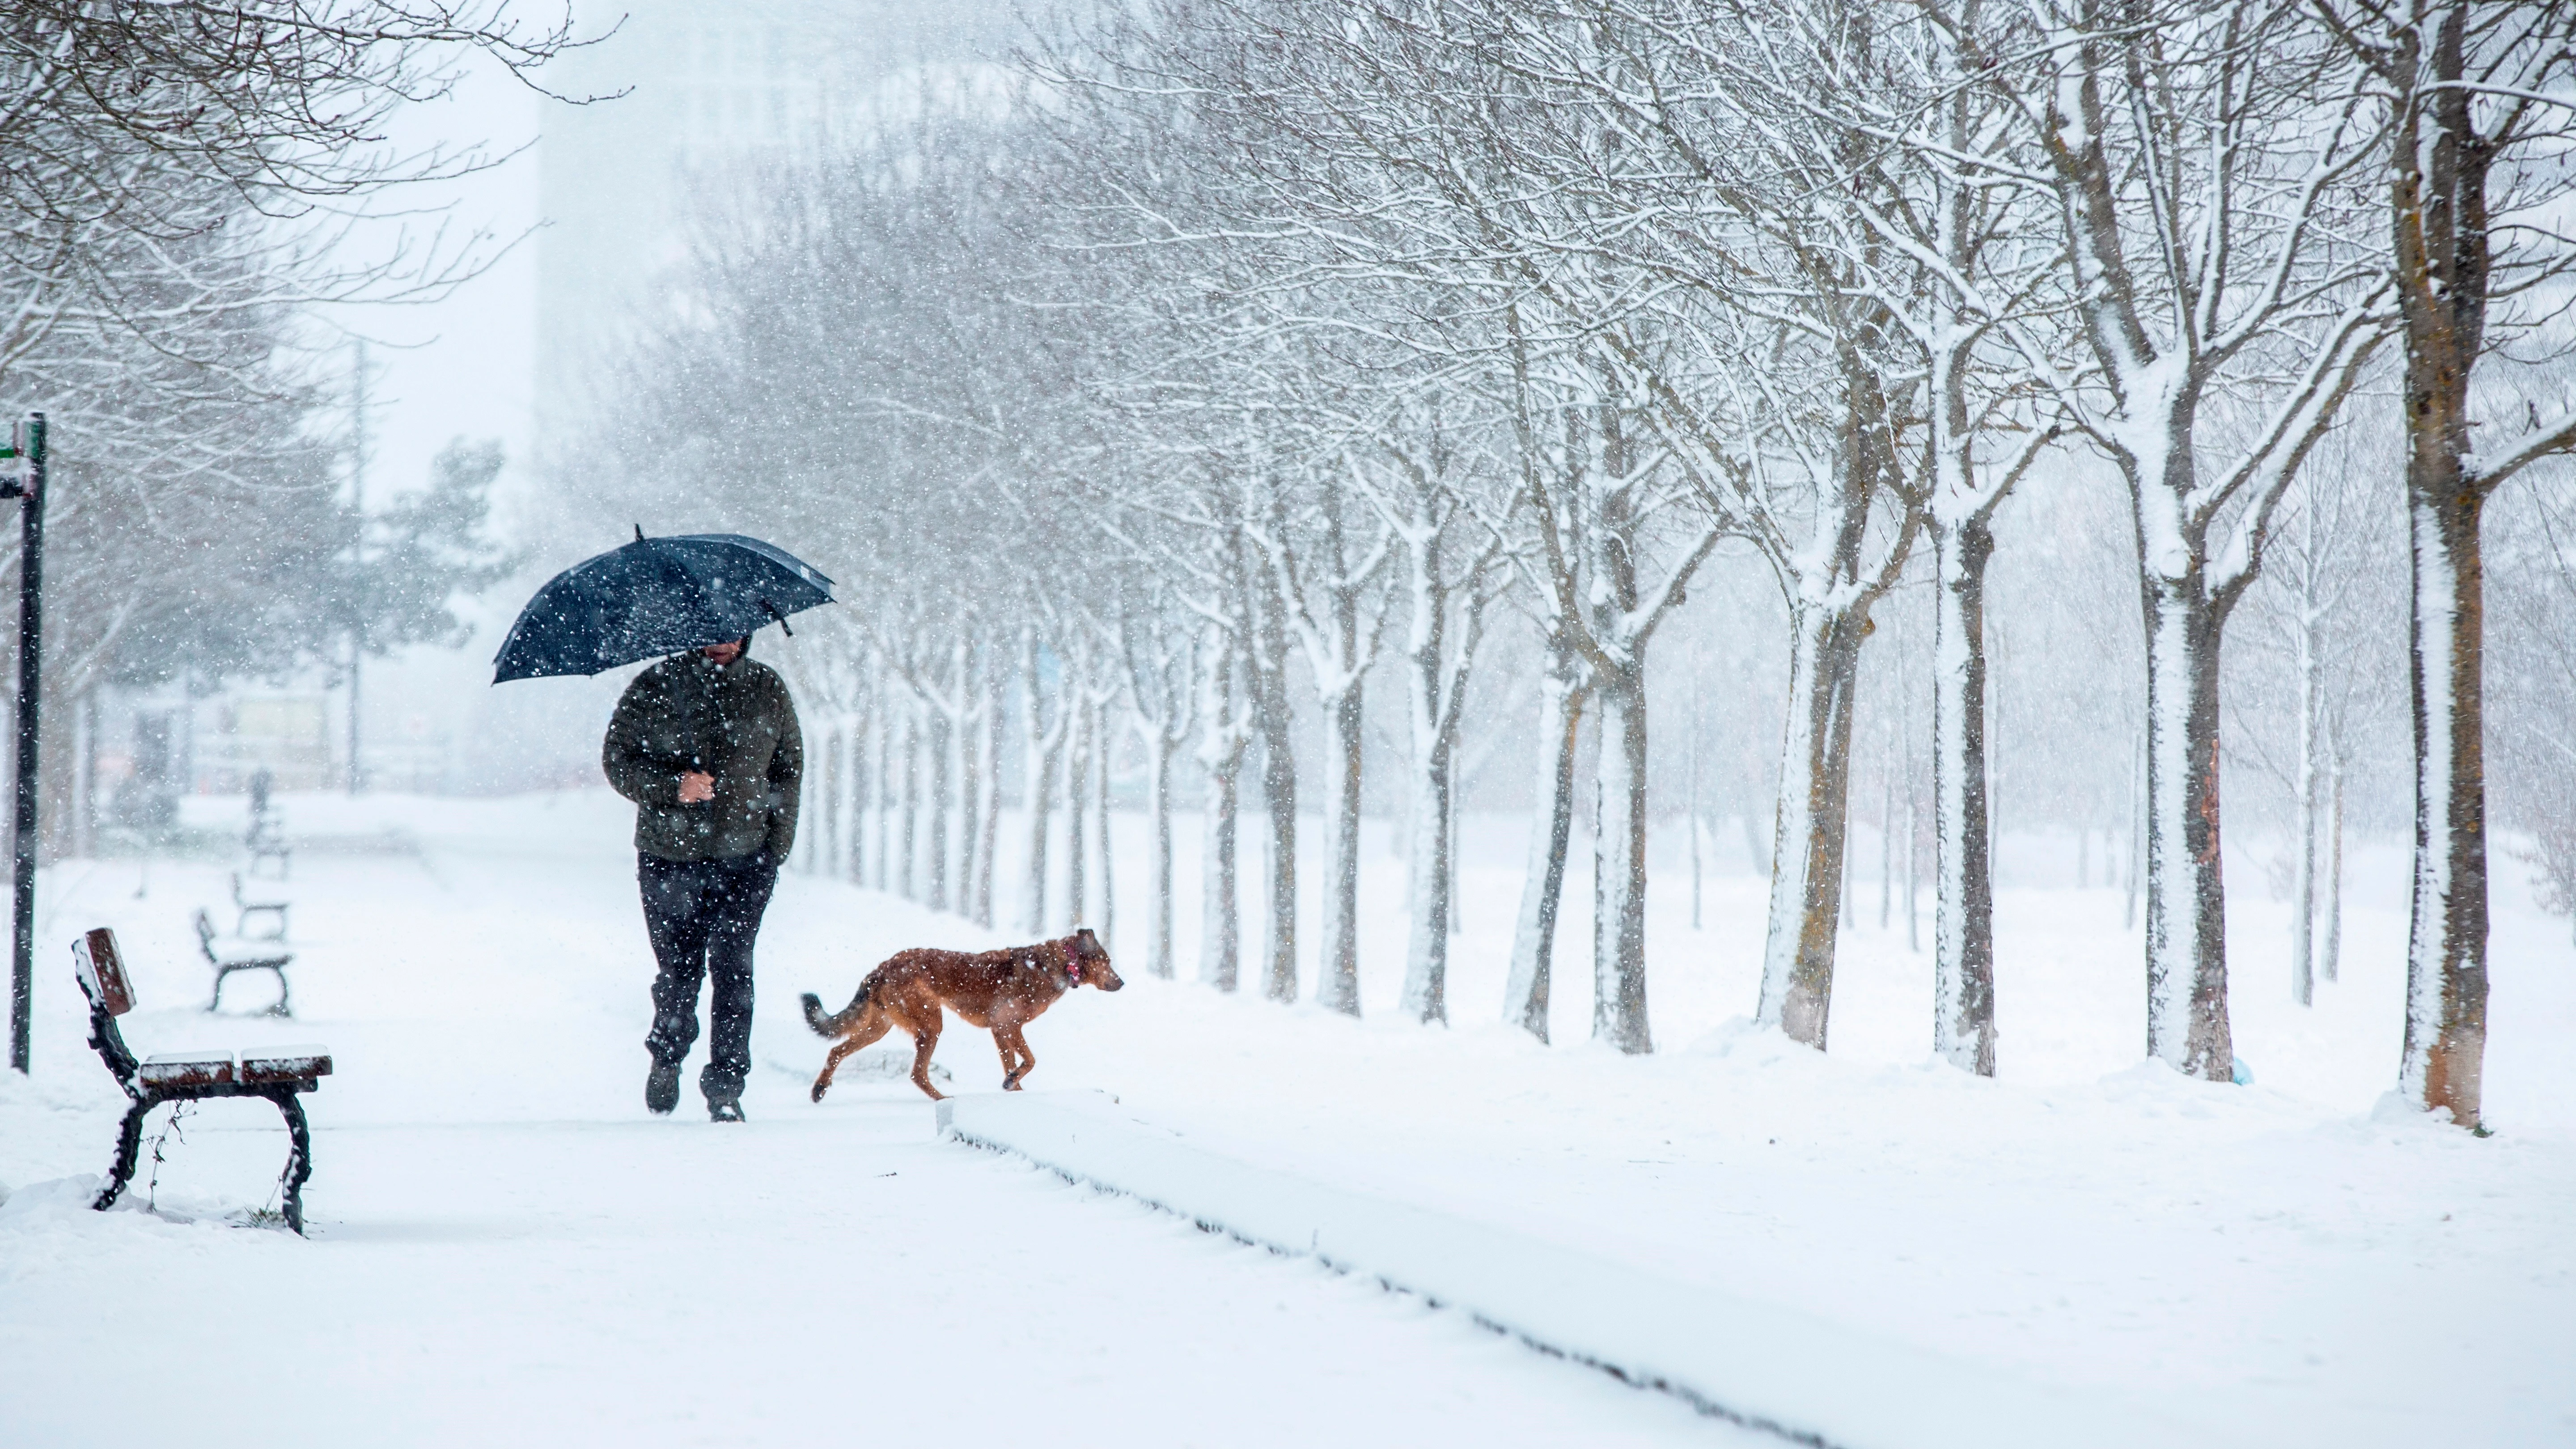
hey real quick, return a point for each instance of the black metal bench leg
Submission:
(129, 1145)
(299, 1158)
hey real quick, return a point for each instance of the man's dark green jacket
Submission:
(735, 723)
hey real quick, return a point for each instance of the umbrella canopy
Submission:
(656, 596)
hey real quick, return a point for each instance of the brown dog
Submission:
(1003, 990)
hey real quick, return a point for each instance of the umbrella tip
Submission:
(639, 533)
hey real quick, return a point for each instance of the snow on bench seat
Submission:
(286, 1064)
(245, 951)
(1758, 1363)
(187, 1069)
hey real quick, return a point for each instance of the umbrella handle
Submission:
(781, 618)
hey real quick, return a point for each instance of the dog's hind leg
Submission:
(925, 1040)
(859, 1040)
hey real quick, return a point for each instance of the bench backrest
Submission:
(102, 972)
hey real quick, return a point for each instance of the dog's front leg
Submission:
(1016, 1071)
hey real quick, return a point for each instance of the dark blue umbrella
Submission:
(656, 596)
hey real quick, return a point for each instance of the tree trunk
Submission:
(1457, 789)
(910, 866)
(2446, 956)
(1427, 857)
(85, 756)
(2438, 194)
(1077, 803)
(940, 742)
(1158, 804)
(2137, 833)
(1887, 847)
(1851, 912)
(1220, 901)
(972, 724)
(2303, 890)
(884, 795)
(2334, 868)
(860, 799)
(1271, 716)
(1913, 852)
(1525, 995)
(970, 805)
(1038, 766)
(1692, 811)
(1279, 863)
(1337, 975)
(826, 771)
(1963, 938)
(989, 812)
(1101, 739)
(1619, 867)
(1808, 841)
(1426, 963)
(2187, 1025)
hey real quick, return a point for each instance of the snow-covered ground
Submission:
(506, 1249)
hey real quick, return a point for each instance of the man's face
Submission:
(724, 654)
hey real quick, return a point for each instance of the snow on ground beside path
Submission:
(507, 1250)
(493, 1206)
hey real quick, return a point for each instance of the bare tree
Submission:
(1329, 588)
(1041, 760)
(2480, 131)
(1161, 651)
(1225, 733)
(1451, 571)
(2204, 160)
(2331, 551)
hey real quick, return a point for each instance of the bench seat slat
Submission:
(285, 1064)
(187, 1069)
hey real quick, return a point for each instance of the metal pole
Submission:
(31, 623)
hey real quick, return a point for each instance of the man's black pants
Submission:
(703, 916)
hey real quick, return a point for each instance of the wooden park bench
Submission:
(228, 955)
(273, 913)
(276, 1073)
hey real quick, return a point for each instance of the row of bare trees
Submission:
(182, 184)
(1272, 347)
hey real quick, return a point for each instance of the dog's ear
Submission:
(1090, 943)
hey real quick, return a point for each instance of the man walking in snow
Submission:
(707, 746)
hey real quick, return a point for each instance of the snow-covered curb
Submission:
(1757, 1363)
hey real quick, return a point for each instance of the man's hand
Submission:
(697, 787)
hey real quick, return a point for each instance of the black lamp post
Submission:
(29, 489)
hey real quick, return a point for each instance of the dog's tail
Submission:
(834, 1023)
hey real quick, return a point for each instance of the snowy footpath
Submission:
(506, 1249)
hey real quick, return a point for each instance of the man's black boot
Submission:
(662, 1088)
(724, 1109)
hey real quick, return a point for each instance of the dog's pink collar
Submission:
(1072, 958)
